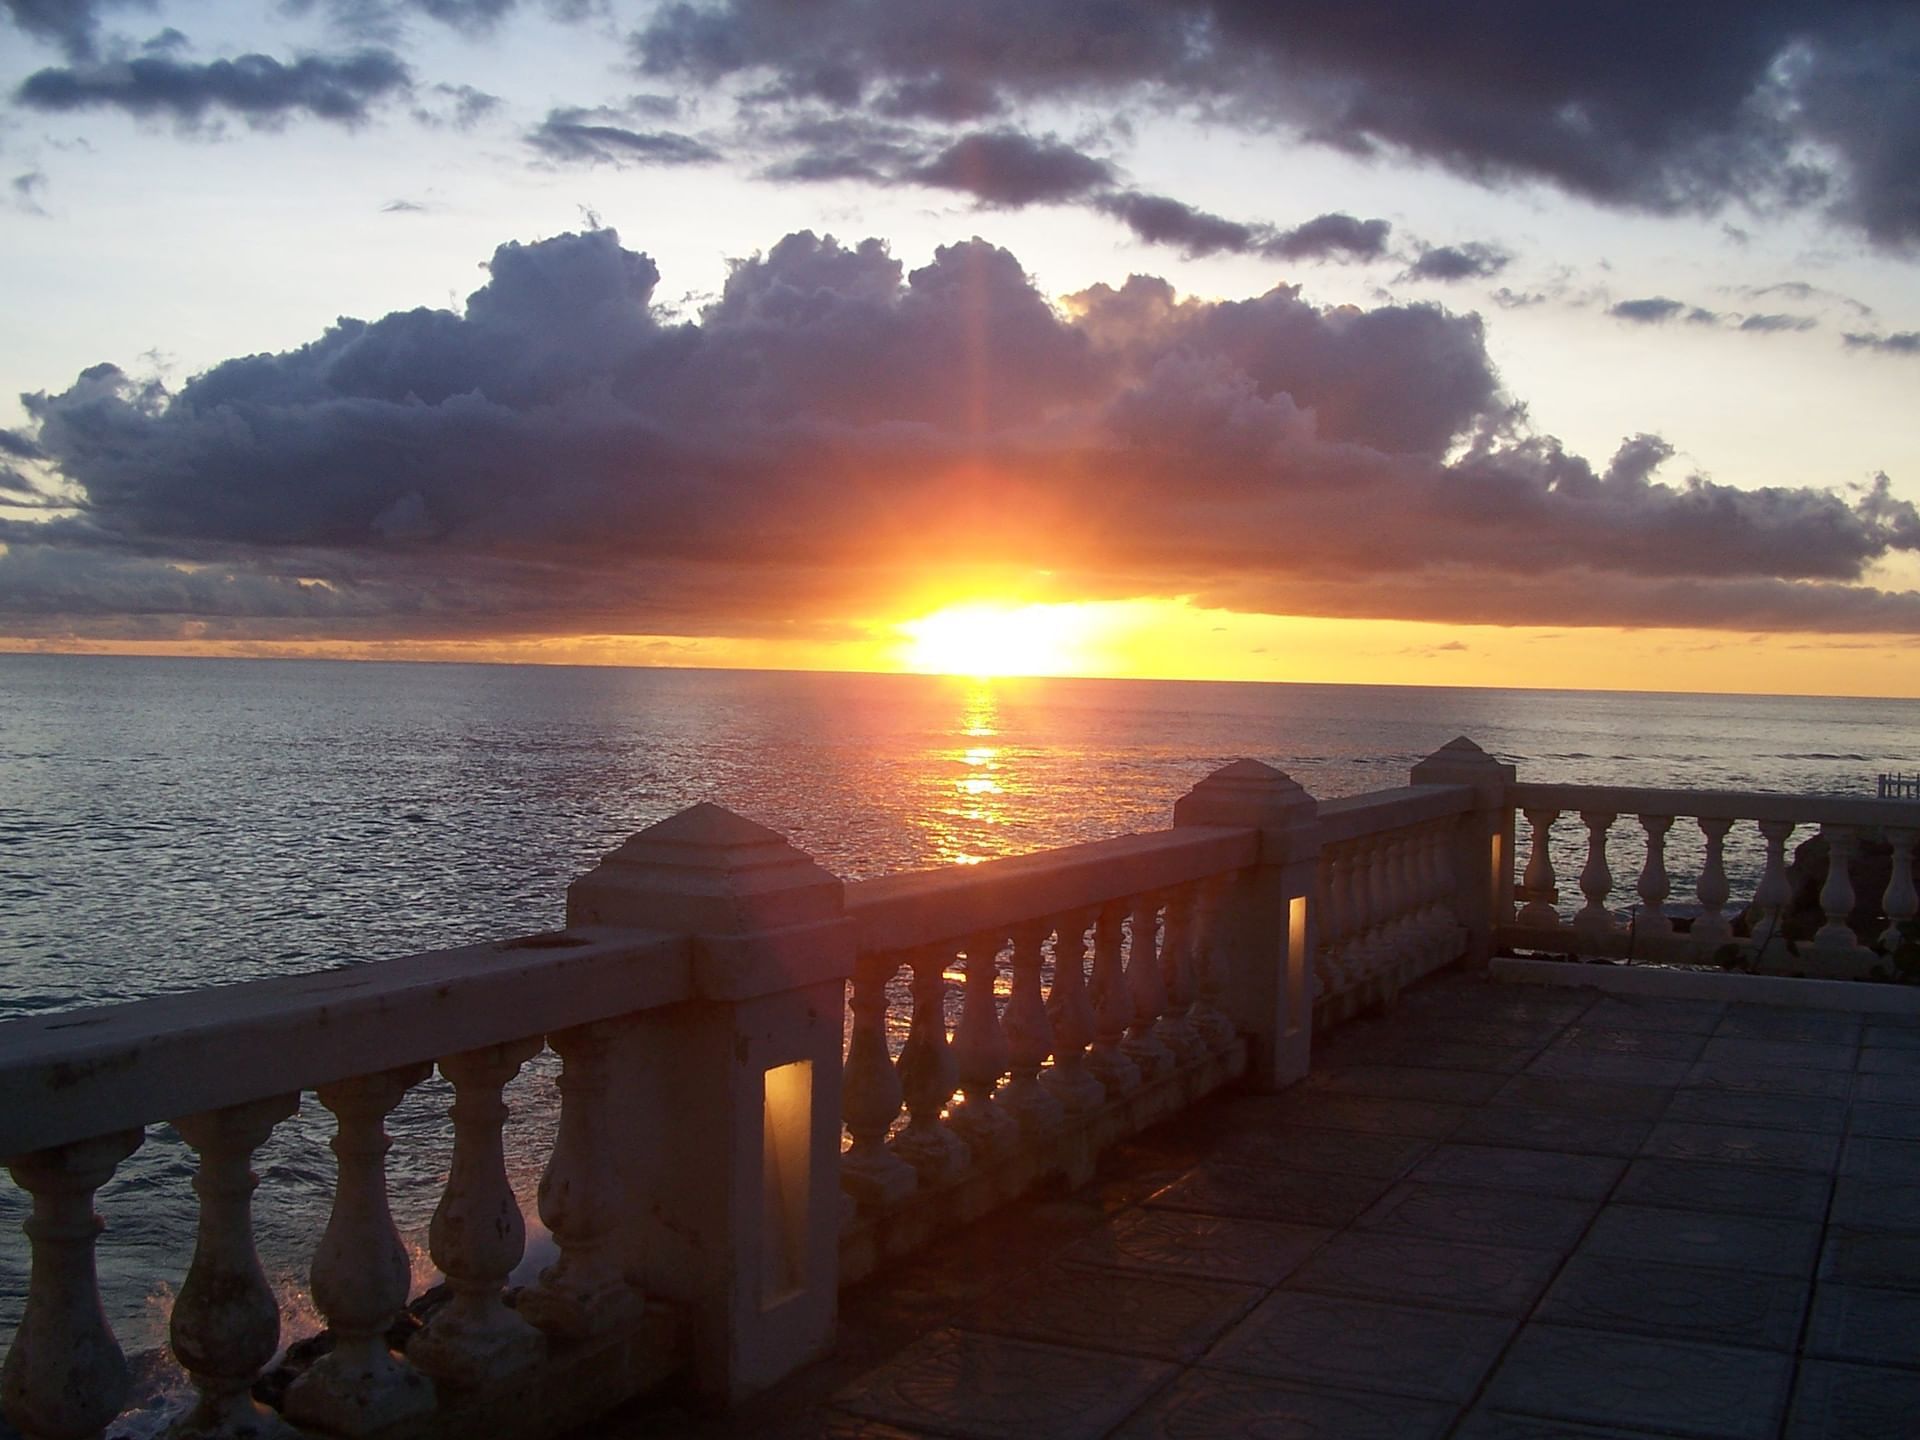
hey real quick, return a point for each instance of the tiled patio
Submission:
(1499, 1212)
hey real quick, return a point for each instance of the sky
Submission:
(1490, 343)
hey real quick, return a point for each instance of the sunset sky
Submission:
(1486, 343)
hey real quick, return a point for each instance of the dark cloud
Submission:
(1007, 168)
(833, 429)
(1475, 260)
(1658, 309)
(72, 25)
(591, 137)
(461, 106)
(257, 88)
(1668, 109)
(19, 447)
(1903, 342)
(1773, 324)
(26, 189)
(1330, 236)
(1805, 294)
(1161, 220)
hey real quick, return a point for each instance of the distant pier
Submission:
(1900, 787)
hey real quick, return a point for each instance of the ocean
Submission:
(167, 824)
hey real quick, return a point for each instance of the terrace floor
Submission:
(1500, 1211)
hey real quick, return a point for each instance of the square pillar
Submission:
(1483, 841)
(727, 1107)
(1266, 923)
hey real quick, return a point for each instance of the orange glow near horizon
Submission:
(1170, 638)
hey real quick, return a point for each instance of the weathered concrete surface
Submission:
(1501, 1211)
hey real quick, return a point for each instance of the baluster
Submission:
(360, 1273)
(1901, 902)
(928, 1074)
(225, 1326)
(871, 1092)
(1176, 973)
(1654, 885)
(1770, 897)
(1330, 897)
(1369, 872)
(1215, 1028)
(1029, 1037)
(64, 1376)
(980, 1050)
(1539, 878)
(1068, 1080)
(478, 1235)
(1836, 896)
(1595, 920)
(1112, 1006)
(585, 1291)
(1711, 928)
(1147, 989)
(1437, 914)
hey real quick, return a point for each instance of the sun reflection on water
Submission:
(975, 777)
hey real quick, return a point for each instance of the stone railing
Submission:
(1622, 920)
(738, 1132)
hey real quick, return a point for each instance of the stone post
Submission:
(1265, 925)
(727, 1107)
(1483, 841)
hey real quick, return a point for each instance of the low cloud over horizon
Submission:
(561, 457)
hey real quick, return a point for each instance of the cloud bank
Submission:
(558, 458)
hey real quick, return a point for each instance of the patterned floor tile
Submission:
(1258, 1251)
(1552, 1130)
(1493, 1425)
(1588, 1097)
(1631, 1040)
(1853, 1322)
(1748, 1077)
(1408, 1269)
(1788, 1054)
(1670, 1387)
(1893, 1162)
(1367, 1115)
(1881, 1036)
(1539, 1172)
(1411, 1082)
(1886, 1259)
(1895, 1122)
(1655, 1298)
(1853, 1402)
(1744, 1145)
(1695, 1017)
(1557, 1064)
(1165, 1317)
(1340, 1152)
(1206, 1404)
(989, 1387)
(1305, 1197)
(1755, 1243)
(1733, 1189)
(1875, 1205)
(1784, 1022)
(1890, 1062)
(1887, 1089)
(1360, 1345)
(1768, 1112)
(1506, 1217)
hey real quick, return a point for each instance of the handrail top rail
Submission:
(1716, 804)
(69, 1075)
(953, 902)
(1355, 816)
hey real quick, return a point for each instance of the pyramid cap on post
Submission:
(705, 871)
(1461, 762)
(1246, 792)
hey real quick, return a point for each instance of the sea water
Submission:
(168, 824)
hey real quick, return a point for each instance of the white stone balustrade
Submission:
(1764, 826)
(696, 1003)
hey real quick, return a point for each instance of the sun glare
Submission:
(984, 639)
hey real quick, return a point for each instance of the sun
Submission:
(984, 638)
